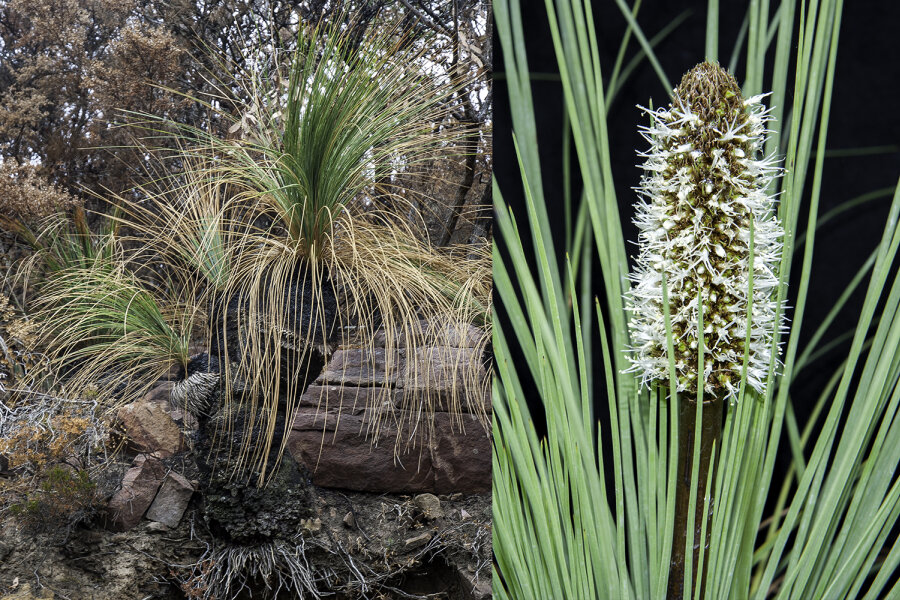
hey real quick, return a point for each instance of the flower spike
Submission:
(703, 211)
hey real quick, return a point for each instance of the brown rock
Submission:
(438, 333)
(139, 486)
(327, 397)
(161, 394)
(445, 376)
(362, 367)
(462, 461)
(343, 457)
(150, 429)
(171, 501)
(430, 505)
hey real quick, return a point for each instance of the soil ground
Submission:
(358, 546)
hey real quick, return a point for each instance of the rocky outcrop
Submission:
(344, 457)
(345, 484)
(127, 506)
(149, 425)
(347, 425)
(171, 500)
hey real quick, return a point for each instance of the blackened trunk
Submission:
(711, 431)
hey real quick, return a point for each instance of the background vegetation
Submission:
(70, 71)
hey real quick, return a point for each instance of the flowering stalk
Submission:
(709, 233)
(703, 186)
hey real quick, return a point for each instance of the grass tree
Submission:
(590, 508)
(61, 242)
(100, 325)
(285, 219)
(105, 327)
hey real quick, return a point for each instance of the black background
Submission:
(865, 111)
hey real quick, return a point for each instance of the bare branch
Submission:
(431, 24)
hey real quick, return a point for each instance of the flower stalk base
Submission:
(710, 433)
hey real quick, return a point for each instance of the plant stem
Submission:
(711, 431)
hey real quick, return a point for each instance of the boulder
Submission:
(446, 377)
(171, 500)
(362, 367)
(461, 459)
(347, 423)
(345, 457)
(139, 487)
(437, 333)
(150, 429)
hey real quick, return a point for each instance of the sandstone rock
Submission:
(457, 335)
(150, 428)
(347, 459)
(327, 397)
(362, 367)
(430, 505)
(343, 457)
(171, 501)
(445, 377)
(461, 461)
(139, 486)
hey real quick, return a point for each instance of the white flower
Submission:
(704, 182)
